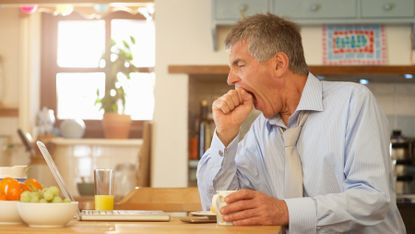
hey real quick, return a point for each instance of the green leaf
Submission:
(132, 39)
(126, 44)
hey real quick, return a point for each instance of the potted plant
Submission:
(116, 123)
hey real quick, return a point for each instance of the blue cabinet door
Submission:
(236, 9)
(315, 9)
(387, 8)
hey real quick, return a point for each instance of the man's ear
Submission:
(281, 62)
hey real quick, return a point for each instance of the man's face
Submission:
(257, 78)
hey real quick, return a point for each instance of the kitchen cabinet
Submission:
(315, 12)
(235, 9)
(407, 210)
(230, 11)
(387, 9)
(322, 9)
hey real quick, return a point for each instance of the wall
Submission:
(20, 53)
(398, 102)
(183, 36)
(9, 53)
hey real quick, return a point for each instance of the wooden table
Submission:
(172, 227)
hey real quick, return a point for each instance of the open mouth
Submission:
(254, 100)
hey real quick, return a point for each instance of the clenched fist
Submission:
(230, 111)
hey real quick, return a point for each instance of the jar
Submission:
(124, 179)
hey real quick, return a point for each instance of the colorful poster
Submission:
(354, 44)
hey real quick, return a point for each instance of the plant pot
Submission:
(116, 126)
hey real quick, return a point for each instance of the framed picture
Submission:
(354, 44)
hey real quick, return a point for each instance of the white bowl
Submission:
(47, 214)
(8, 212)
(18, 171)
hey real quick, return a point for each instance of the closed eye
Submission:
(240, 65)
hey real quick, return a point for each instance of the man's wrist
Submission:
(283, 209)
(226, 136)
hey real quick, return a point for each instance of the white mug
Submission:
(218, 201)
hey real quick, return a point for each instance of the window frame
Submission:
(50, 68)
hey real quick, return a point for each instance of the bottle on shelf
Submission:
(193, 145)
(205, 130)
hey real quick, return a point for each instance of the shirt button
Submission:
(221, 153)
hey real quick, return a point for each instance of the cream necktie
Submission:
(293, 179)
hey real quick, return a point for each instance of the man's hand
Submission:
(248, 207)
(230, 111)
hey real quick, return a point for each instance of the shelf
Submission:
(9, 112)
(385, 74)
(320, 70)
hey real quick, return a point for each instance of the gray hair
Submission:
(267, 35)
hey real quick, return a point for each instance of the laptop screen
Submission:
(54, 170)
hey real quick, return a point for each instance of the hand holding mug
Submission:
(218, 202)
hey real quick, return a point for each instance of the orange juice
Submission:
(104, 202)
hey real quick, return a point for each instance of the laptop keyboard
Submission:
(122, 212)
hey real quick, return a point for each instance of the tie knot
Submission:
(291, 136)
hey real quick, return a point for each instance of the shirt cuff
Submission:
(302, 215)
(224, 158)
(220, 148)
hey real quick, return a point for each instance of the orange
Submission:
(2, 196)
(12, 190)
(3, 183)
(24, 187)
(33, 184)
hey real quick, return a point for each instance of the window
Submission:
(72, 69)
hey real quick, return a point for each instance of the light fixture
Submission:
(364, 81)
(408, 76)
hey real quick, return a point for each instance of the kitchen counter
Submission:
(172, 227)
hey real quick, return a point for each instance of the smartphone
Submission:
(198, 219)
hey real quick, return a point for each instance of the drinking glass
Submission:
(104, 195)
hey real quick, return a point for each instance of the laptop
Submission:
(97, 215)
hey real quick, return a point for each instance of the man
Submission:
(336, 177)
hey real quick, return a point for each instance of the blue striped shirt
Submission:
(345, 159)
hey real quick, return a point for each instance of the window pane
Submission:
(140, 96)
(143, 32)
(76, 94)
(81, 43)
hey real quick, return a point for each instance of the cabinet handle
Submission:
(242, 10)
(388, 6)
(314, 7)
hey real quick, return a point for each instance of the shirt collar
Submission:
(311, 100)
(312, 95)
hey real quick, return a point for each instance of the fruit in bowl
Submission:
(10, 191)
(45, 208)
(11, 188)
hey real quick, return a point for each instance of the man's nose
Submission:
(232, 78)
